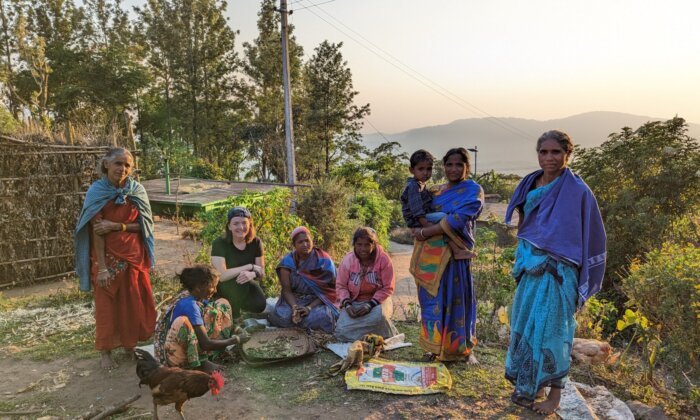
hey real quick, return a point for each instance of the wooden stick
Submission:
(19, 413)
(115, 408)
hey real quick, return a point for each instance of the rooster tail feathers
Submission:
(143, 355)
(145, 365)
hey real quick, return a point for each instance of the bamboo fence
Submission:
(42, 188)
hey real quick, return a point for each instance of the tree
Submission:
(191, 56)
(332, 121)
(265, 96)
(645, 180)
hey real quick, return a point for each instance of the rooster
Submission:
(174, 385)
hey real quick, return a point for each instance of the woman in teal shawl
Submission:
(560, 261)
(113, 254)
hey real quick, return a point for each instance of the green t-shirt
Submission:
(237, 294)
(235, 257)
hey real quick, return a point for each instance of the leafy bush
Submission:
(596, 319)
(204, 170)
(371, 208)
(645, 180)
(8, 123)
(325, 207)
(665, 288)
(496, 183)
(491, 269)
(273, 223)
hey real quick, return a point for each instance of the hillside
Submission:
(507, 144)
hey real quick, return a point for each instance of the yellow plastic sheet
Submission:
(398, 377)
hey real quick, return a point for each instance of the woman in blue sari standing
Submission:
(560, 261)
(448, 311)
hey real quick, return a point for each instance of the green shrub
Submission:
(665, 288)
(8, 123)
(204, 170)
(324, 207)
(491, 270)
(273, 223)
(596, 319)
(496, 183)
(371, 208)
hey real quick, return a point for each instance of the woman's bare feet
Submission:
(106, 361)
(471, 360)
(549, 405)
(541, 393)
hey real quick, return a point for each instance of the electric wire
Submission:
(424, 80)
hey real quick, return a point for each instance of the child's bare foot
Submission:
(549, 405)
(106, 361)
(471, 360)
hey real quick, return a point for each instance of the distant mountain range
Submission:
(508, 144)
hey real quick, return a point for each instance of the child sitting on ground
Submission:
(417, 200)
(193, 328)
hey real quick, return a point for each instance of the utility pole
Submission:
(288, 129)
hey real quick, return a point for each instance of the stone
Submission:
(604, 404)
(644, 412)
(573, 406)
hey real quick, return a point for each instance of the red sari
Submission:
(125, 311)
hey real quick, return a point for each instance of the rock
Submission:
(573, 406)
(604, 404)
(644, 412)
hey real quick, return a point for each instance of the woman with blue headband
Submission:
(238, 256)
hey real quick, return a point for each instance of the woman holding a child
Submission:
(447, 299)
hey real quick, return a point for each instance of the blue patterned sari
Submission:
(542, 317)
(448, 319)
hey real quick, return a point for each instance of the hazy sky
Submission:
(426, 62)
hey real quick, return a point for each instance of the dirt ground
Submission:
(77, 385)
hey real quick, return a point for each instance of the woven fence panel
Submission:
(42, 188)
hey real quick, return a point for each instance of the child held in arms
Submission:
(417, 199)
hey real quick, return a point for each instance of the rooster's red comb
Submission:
(218, 382)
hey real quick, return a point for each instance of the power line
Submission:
(375, 129)
(446, 93)
(312, 5)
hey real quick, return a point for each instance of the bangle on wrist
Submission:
(123, 227)
(421, 233)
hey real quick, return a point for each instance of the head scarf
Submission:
(298, 230)
(99, 193)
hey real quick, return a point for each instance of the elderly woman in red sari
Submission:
(448, 303)
(114, 250)
(307, 276)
